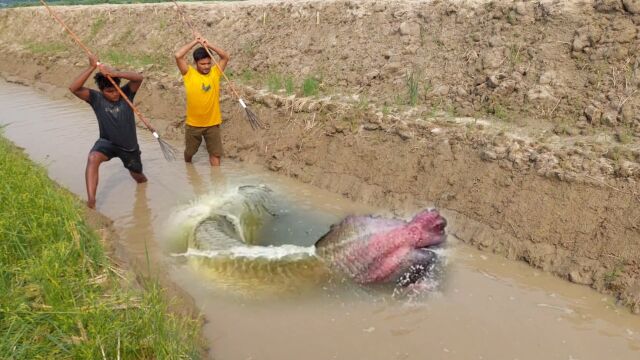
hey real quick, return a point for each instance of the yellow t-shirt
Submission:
(203, 97)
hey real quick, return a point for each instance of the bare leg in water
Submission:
(187, 158)
(91, 175)
(138, 177)
(214, 160)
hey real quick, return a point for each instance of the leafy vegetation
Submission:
(46, 48)
(412, 88)
(274, 82)
(624, 136)
(61, 297)
(97, 25)
(289, 85)
(310, 86)
(121, 58)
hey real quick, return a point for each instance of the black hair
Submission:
(200, 53)
(103, 82)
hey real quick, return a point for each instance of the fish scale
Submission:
(371, 249)
(365, 249)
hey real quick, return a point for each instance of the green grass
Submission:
(277, 82)
(120, 58)
(97, 25)
(60, 297)
(412, 88)
(247, 75)
(512, 18)
(310, 86)
(125, 36)
(498, 111)
(363, 103)
(289, 86)
(624, 136)
(614, 274)
(616, 153)
(274, 82)
(46, 48)
(399, 99)
(427, 87)
(515, 55)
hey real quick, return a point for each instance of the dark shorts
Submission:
(193, 138)
(130, 159)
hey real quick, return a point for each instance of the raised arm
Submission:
(224, 56)
(180, 61)
(135, 79)
(77, 86)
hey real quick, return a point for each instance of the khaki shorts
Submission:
(193, 138)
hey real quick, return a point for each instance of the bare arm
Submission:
(77, 86)
(180, 61)
(224, 56)
(135, 79)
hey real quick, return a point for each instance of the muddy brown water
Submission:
(487, 307)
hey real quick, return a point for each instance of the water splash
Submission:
(221, 236)
(291, 252)
(218, 236)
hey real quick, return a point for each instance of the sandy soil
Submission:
(523, 115)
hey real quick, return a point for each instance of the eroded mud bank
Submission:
(543, 166)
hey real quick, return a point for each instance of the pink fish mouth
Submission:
(441, 229)
(440, 224)
(433, 227)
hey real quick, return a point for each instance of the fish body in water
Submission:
(227, 245)
(378, 250)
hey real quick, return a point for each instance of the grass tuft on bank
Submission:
(60, 297)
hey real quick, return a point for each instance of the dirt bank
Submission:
(519, 118)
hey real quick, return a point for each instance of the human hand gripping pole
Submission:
(251, 116)
(168, 151)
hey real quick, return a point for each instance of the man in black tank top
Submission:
(116, 122)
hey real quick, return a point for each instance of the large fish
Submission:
(366, 249)
(377, 250)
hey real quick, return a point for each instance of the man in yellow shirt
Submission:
(202, 86)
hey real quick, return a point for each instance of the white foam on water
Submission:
(184, 219)
(201, 208)
(254, 252)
